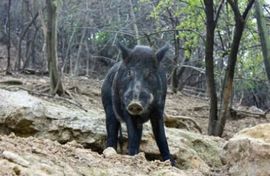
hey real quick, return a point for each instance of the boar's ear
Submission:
(125, 51)
(161, 52)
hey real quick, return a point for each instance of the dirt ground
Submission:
(40, 157)
(84, 93)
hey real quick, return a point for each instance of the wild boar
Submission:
(133, 92)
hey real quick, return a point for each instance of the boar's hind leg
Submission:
(159, 133)
(134, 136)
(112, 126)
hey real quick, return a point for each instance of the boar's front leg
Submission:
(112, 127)
(160, 137)
(134, 130)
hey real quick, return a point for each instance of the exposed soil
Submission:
(32, 156)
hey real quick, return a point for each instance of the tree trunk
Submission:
(175, 79)
(209, 64)
(264, 36)
(55, 78)
(135, 26)
(240, 21)
(18, 62)
(44, 32)
(88, 58)
(8, 71)
(77, 61)
(66, 57)
(229, 75)
(33, 49)
(177, 69)
(175, 75)
(29, 62)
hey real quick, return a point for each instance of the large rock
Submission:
(191, 150)
(26, 115)
(248, 152)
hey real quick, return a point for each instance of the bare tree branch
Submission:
(250, 3)
(218, 12)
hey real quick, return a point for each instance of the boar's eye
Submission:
(129, 74)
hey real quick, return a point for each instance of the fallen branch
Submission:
(195, 68)
(29, 71)
(238, 114)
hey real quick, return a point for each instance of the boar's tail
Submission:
(121, 141)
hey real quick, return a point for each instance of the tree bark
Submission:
(8, 71)
(264, 36)
(209, 64)
(56, 86)
(44, 32)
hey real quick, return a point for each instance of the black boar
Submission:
(133, 92)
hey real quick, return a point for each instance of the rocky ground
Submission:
(44, 135)
(32, 156)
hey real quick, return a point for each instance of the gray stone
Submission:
(248, 152)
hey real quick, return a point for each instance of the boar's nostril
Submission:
(135, 108)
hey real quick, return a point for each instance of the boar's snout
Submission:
(135, 108)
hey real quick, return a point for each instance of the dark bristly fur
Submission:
(134, 92)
